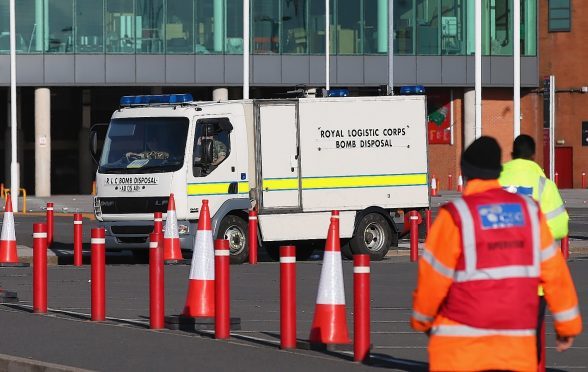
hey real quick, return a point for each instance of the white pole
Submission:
(552, 128)
(517, 68)
(245, 49)
(327, 45)
(478, 69)
(451, 113)
(391, 47)
(14, 178)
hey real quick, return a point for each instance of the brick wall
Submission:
(565, 55)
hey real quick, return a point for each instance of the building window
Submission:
(59, 26)
(120, 26)
(179, 26)
(559, 16)
(89, 33)
(149, 27)
(294, 27)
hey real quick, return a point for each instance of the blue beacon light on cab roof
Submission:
(127, 101)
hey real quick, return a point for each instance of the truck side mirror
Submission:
(96, 137)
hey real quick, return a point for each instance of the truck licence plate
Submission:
(131, 183)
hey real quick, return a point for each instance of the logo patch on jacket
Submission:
(498, 216)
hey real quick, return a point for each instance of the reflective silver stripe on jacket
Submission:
(556, 212)
(465, 331)
(564, 316)
(436, 264)
(548, 253)
(542, 181)
(471, 271)
(497, 273)
(421, 317)
(467, 235)
(533, 210)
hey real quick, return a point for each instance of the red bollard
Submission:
(361, 307)
(414, 218)
(222, 297)
(158, 223)
(583, 180)
(49, 224)
(565, 247)
(156, 282)
(78, 239)
(98, 275)
(429, 218)
(288, 297)
(252, 237)
(40, 268)
(450, 182)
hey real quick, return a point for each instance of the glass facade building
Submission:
(296, 27)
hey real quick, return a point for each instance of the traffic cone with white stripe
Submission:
(8, 251)
(330, 319)
(172, 253)
(200, 299)
(433, 186)
(460, 184)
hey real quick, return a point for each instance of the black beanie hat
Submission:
(482, 159)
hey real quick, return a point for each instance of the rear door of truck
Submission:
(277, 155)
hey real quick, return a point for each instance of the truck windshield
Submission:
(144, 145)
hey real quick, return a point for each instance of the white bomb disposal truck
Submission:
(294, 160)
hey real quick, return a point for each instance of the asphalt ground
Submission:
(66, 336)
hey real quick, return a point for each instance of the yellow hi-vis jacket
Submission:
(526, 177)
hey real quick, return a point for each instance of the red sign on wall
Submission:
(439, 109)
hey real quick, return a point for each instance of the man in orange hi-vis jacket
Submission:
(484, 258)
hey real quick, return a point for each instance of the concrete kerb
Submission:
(62, 204)
(12, 363)
(25, 254)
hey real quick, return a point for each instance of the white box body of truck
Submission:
(294, 160)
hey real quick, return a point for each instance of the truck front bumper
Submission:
(122, 235)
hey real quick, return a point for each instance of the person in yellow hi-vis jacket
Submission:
(523, 176)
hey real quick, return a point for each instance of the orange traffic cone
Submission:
(172, 253)
(433, 186)
(330, 324)
(8, 251)
(200, 299)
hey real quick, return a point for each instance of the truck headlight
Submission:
(183, 229)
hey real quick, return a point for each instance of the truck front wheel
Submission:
(373, 236)
(234, 229)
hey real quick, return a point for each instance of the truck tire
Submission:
(273, 251)
(372, 236)
(235, 229)
(346, 249)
